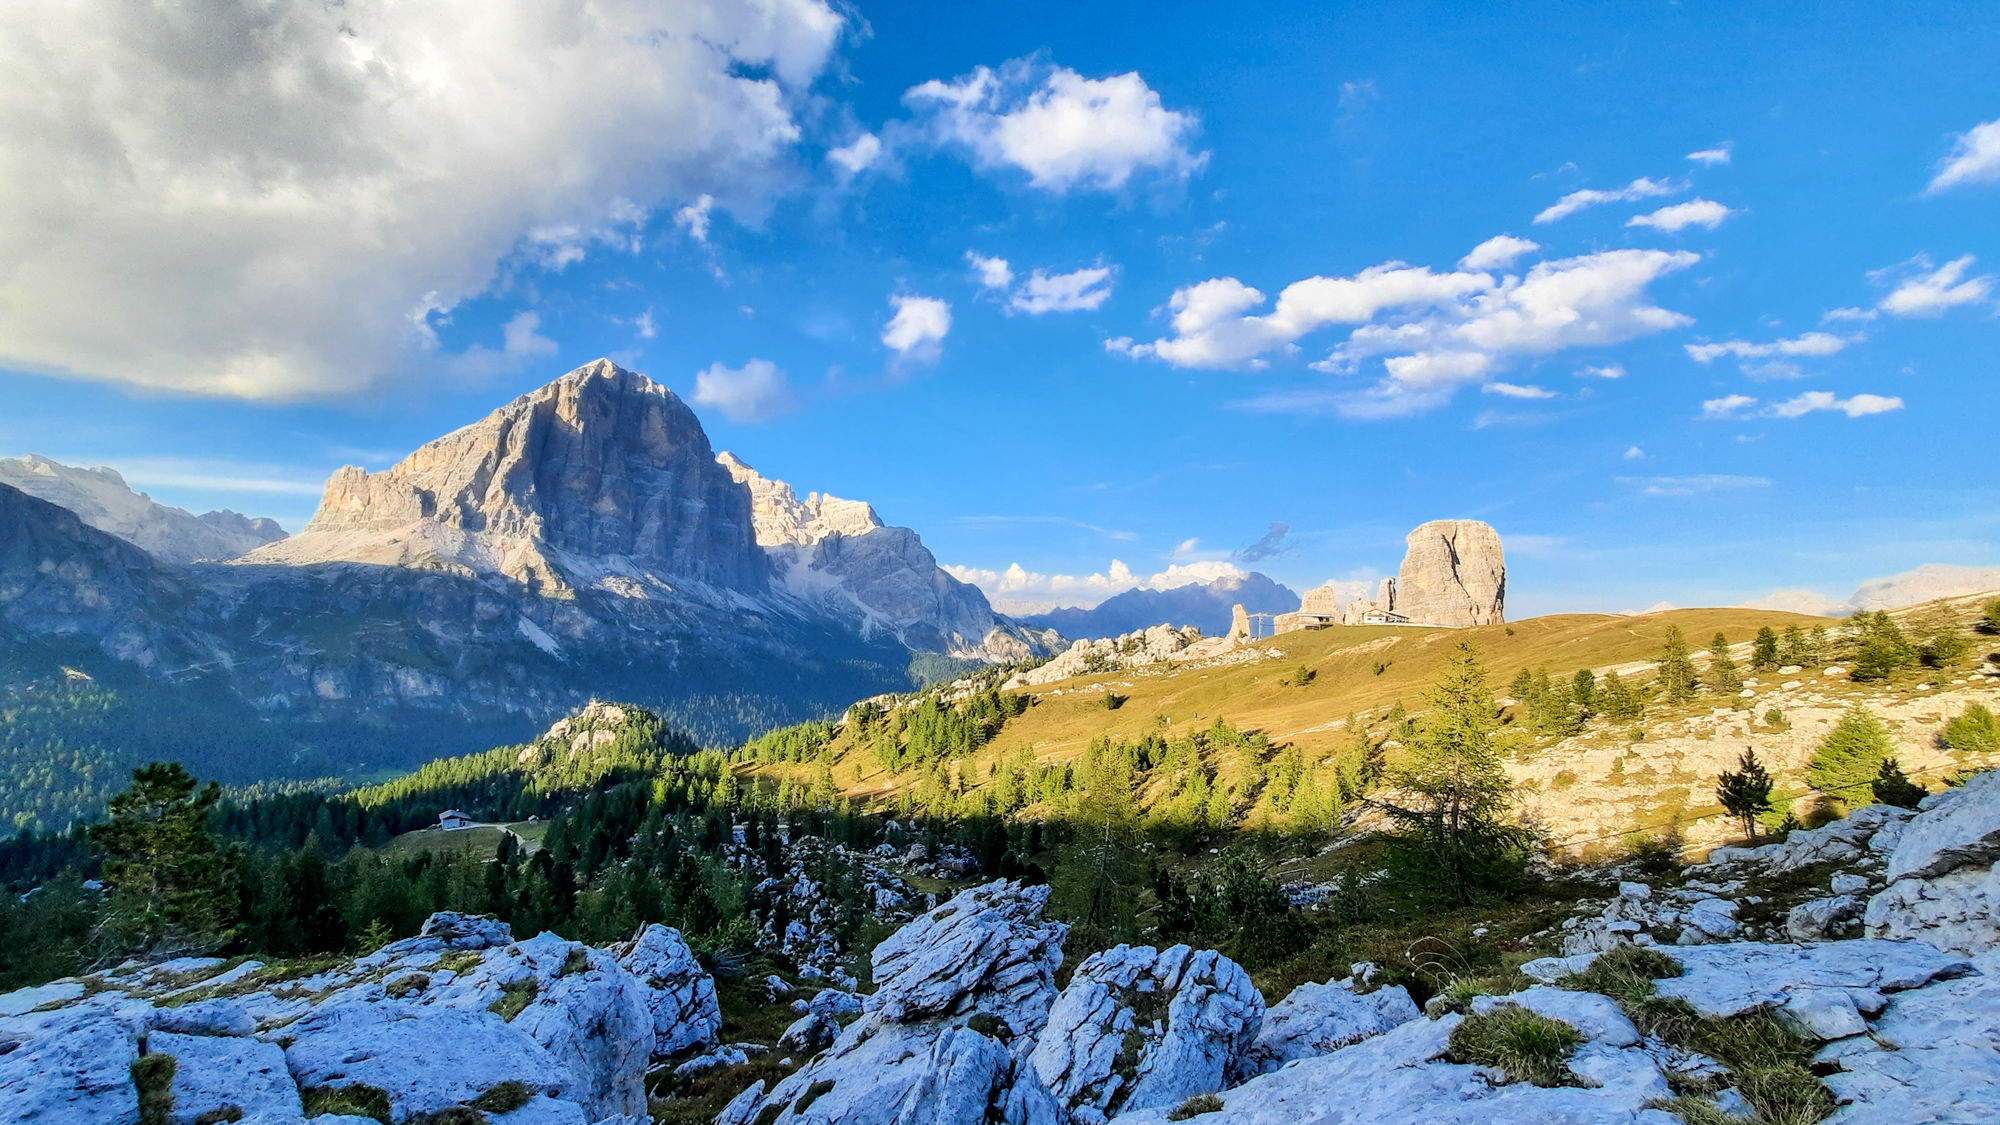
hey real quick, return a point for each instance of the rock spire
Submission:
(1455, 573)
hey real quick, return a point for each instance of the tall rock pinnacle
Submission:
(1455, 573)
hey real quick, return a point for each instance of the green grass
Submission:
(515, 998)
(1195, 1107)
(1524, 1045)
(506, 1097)
(154, 1076)
(355, 1101)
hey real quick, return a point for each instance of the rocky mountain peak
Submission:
(602, 470)
(100, 497)
(782, 518)
(1455, 573)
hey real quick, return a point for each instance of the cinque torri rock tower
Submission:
(1455, 573)
(601, 470)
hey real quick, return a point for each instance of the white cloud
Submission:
(521, 341)
(694, 218)
(1602, 371)
(756, 392)
(1733, 407)
(1728, 406)
(994, 273)
(271, 201)
(858, 155)
(1641, 188)
(1929, 292)
(1835, 316)
(1856, 407)
(646, 326)
(1064, 130)
(1711, 156)
(1497, 253)
(917, 331)
(1635, 454)
(1811, 343)
(1442, 330)
(1512, 390)
(1690, 486)
(1974, 159)
(1694, 213)
(1018, 590)
(1064, 292)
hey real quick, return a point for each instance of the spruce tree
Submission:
(1793, 647)
(1746, 792)
(1848, 761)
(1764, 651)
(1453, 837)
(1583, 689)
(1722, 674)
(1677, 678)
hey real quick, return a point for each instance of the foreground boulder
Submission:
(1318, 1019)
(681, 994)
(1139, 1027)
(1942, 885)
(961, 992)
(538, 1032)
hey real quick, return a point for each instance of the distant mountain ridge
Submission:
(1205, 605)
(102, 499)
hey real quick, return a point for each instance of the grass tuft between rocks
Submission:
(1698, 1111)
(355, 1101)
(515, 998)
(1525, 1046)
(154, 1076)
(506, 1097)
(1195, 1107)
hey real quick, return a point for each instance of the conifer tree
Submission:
(1764, 651)
(1893, 787)
(1793, 647)
(1451, 795)
(1745, 792)
(1583, 689)
(170, 873)
(1677, 678)
(1848, 761)
(1722, 674)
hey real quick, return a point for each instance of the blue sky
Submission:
(1757, 352)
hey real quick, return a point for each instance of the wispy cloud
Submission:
(916, 333)
(1734, 407)
(1926, 292)
(1062, 521)
(1974, 159)
(1706, 213)
(1711, 156)
(1017, 589)
(1641, 188)
(1691, 486)
(1811, 343)
(1270, 544)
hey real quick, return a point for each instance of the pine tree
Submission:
(1764, 651)
(170, 874)
(1722, 677)
(1792, 648)
(1453, 835)
(1583, 689)
(1746, 792)
(1848, 761)
(1893, 787)
(1940, 638)
(1677, 679)
(1617, 700)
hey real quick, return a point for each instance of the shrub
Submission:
(1893, 787)
(1989, 621)
(1302, 675)
(1113, 701)
(1973, 732)
(1847, 763)
(1195, 1107)
(1524, 1045)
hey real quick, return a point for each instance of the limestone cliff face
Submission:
(101, 498)
(837, 557)
(601, 472)
(59, 576)
(1455, 573)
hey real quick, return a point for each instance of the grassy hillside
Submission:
(1653, 772)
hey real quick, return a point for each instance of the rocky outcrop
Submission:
(101, 498)
(427, 1024)
(1318, 1019)
(680, 993)
(1455, 573)
(837, 557)
(1943, 887)
(599, 473)
(1139, 1028)
(961, 993)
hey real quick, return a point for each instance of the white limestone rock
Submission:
(1397, 1079)
(1953, 911)
(466, 931)
(1825, 919)
(680, 993)
(74, 1068)
(424, 1059)
(985, 950)
(1316, 1019)
(809, 1034)
(1710, 919)
(1725, 980)
(1960, 832)
(1195, 1015)
(206, 1017)
(211, 1074)
(1934, 1055)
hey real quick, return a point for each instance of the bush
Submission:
(1989, 621)
(1302, 675)
(1973, 732)
(1524, 1045)
(1846, 764)
(1113, 701)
